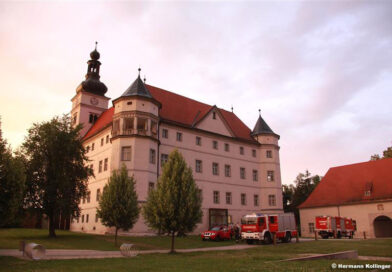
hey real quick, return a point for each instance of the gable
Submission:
(214, 122)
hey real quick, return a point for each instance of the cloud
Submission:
(320, 71)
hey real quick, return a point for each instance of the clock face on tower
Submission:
(94, 101)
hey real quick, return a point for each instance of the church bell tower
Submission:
(90, 100)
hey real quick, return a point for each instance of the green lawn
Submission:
(260, 258)
(9, 238)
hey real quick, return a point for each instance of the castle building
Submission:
(237, 169)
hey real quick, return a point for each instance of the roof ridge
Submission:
(359, 163)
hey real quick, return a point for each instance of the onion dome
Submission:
(92, 84)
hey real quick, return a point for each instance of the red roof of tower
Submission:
(181, 110)
(347, 184)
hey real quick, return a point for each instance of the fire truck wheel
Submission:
(267, 238)
(339, 236)
(287, 238)
(249, 242)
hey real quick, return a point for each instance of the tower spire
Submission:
(92, 83)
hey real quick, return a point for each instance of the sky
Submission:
(321, 72)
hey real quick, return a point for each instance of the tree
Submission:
(56, 169)
(295, 195)
(12, 184)
(118, 206)
(174, 206)
(387, 153)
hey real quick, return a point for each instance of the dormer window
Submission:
(368, 188)
(214, 115)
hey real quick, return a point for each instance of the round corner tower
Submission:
(135, 135)
(269, 166)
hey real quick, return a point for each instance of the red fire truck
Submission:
(258, 227)
(335, 226)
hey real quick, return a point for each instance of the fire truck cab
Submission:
(258, 227)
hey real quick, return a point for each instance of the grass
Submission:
(10, 238)
(259, 258)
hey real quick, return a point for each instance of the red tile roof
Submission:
(103, 121)
(181, 110)
(346, 184)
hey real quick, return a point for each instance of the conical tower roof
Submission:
(137, 88)
(262, 127)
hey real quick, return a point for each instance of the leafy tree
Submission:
(12, 184)
(295, 195)
(387, 153)
(288, 191)
(56, 171)
(118, 206)
(174, 206)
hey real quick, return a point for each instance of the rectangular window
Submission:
(105, 165)
(254, 153)
(74, 121)
(199, 166)
(102, 141)
(227, 170)
(128, 125)
(269, 153)
(77, 219)
(98, 194)
(150, 186)
(165, 133)
(215, 168)
(96, 218)
(164, 158)
(92, 168)
(271, 200)
(228, 198)
(255, 175)
(152, 156)
(141, 125)
(242, 173)
(107, 139)
(100, 166)
(227, 147)
(92, 146)
(243, 199)
(214, 144)
(126, 153)
(256, 200)
(311, 227)
(116, 127)
(270, 175)
(216, 197)
(88, 196)
(84, 200)
(87, 149)
(179, 136)
(154, 128)
(87, 215)
(241, 150)
(198, 140)
(82, 218)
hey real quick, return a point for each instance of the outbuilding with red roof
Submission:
(361, 191)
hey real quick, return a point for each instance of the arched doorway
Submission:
(382, 226)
